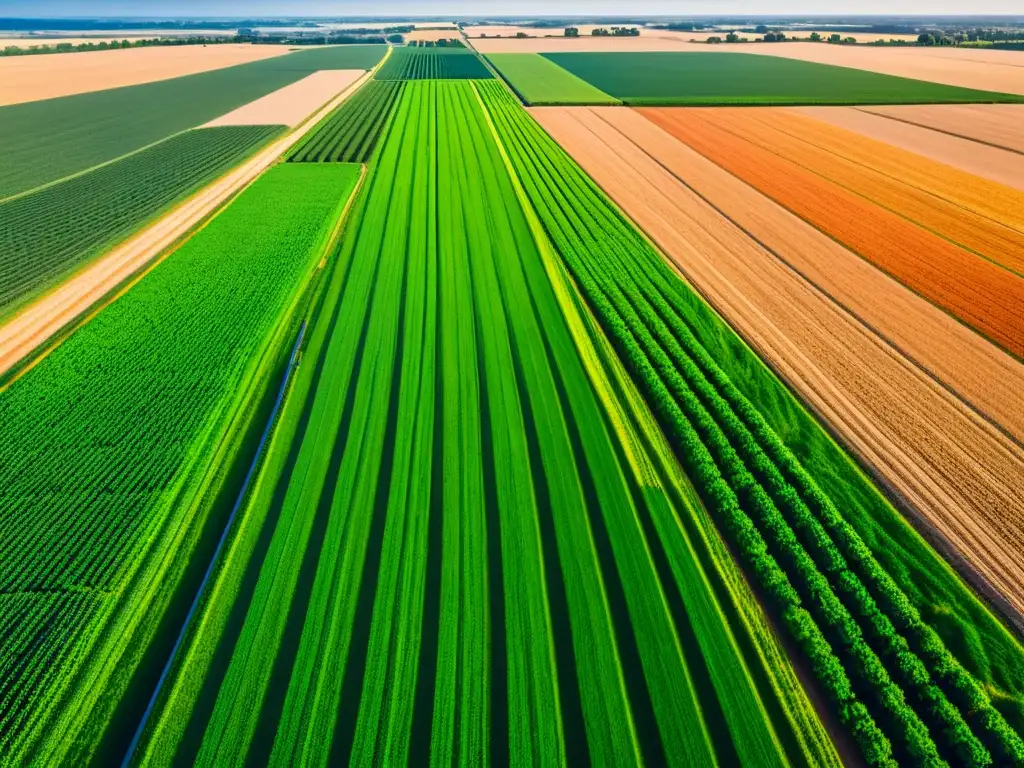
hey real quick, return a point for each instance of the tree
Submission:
(732, 37)
(925, 39)
(572, 32)
(815, 37)
(835, 39)
(760, 29)
(713, 40)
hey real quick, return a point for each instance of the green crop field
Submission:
(44, 141)
(669, 77)
(52, 231)
(113, 448)
(468, 541)
(861, 623)
(539, 80)
(420, 452)
(350, 133)
(432, 63)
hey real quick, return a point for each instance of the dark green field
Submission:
(350, 133)
(47, 140)
(433, 64)
(53, 231)
(743, 78)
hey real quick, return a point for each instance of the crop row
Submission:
(893, 683)
(114, 445)
(350, 133)
(433, 64)
(50, 232)
(460, 547)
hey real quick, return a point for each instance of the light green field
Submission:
(539, 80)
(115, 448)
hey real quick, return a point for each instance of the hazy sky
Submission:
(204, 8)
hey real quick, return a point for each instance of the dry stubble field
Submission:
(916, 395)
(47, 76)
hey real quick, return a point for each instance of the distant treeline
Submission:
(90, 25)
(35, 49)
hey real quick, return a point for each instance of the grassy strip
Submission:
(350, 133)
(50, 232)
(136, 451)
(604, 285)
(673, 77)
(538, 80)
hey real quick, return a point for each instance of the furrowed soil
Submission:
(982, 160)
(813, 321)
(293, 103)
(47, 76)
(997, 124)
(980, 293)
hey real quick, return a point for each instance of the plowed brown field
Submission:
(983, 295)
(999, 124)
(952, 465)
(982, 160)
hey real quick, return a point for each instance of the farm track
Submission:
(982, 294)
(808, 306)
(33, 326)
(980, 159)
(466, 541)
(808, 558)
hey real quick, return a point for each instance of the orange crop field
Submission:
(757, 264)
(979, 159)
(981, 216)
(983, 295)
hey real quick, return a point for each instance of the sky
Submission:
(213, 8)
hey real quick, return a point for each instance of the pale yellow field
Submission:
(33, 78)
(860, 37)
(293, 103)
(433, 34)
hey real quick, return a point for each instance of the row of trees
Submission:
(111, 45)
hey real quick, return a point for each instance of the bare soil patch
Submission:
(1001, 125)
(1000, 71)
(34, 78)
(808, 307)
(982, 160)
(293, 103)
